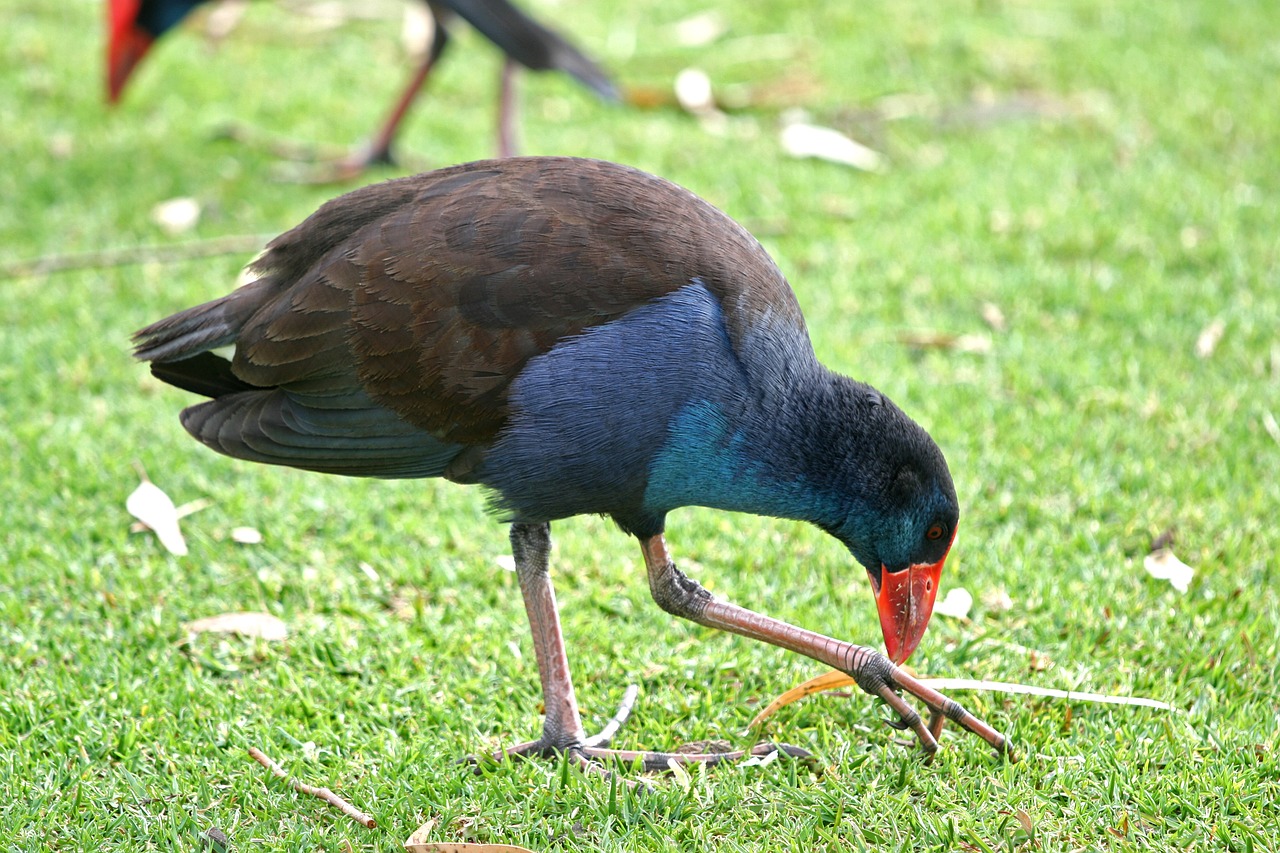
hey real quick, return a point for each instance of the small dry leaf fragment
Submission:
(1164, 565)
(993, 316)
(223, 18)
(693, 92)
(177, 215)
(1024, 820)
(800, 139)
(1209, 336)
(246, 535)
(61, 145)
(699, 30)
(956, 603)
(155, 509)
(1270, 425)
(680, 774)
(1038, 661)
(262, 626)
(997, 600)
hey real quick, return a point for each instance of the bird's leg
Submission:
(562, 727)
(378, 149)
(507, 107)
(562, 730)
(876, 674)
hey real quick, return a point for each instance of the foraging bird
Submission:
(136, 24)
(577, 337)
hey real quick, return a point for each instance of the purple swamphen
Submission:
(577, 337)
(136, 24)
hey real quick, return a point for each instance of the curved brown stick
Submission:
(322, 793)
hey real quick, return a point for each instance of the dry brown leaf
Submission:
(261, 626)
(150, 505)
(1163, 564)
(1024, 820)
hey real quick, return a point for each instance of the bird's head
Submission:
(135, 25)
(901, 521)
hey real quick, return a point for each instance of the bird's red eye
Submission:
(934, 532)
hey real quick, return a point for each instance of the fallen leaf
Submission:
(246, 535)
(1207, 341)
(155, 509)
(182, 512)
(956, 603)
(800, 139)
(699, 30)
(1024, 820)
(1162, 564)
(693, 92)
(993, 316)
(61, 146)
(262, 626)
(177, 215)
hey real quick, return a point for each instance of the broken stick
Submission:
(322, 793)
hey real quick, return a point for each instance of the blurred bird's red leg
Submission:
(507, 108)
(682, 596)
(378, 149)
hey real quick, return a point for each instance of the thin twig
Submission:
(236, 244)
(322, 793)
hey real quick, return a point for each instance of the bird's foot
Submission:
(879, 676)
(301, 163)
(591, 754)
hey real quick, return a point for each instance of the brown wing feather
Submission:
(432, 292)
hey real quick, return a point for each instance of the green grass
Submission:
(1111, 223)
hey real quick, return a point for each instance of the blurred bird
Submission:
(576, 337)
(136, 24)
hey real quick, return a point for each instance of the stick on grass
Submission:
(322, 793)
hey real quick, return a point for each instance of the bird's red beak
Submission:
(126, 46)
(905, 601)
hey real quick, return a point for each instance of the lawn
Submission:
(1075, 192)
